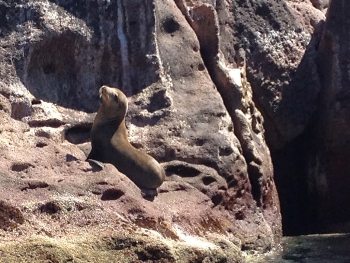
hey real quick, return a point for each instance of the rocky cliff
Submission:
(211, 84)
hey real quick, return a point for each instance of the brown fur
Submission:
(110, 144)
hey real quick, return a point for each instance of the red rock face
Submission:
(330, 163)
(193, 71)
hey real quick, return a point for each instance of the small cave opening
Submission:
(291, 182)
(170, 25)
(52, 72)
(304, 205)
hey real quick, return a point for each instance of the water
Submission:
(333, 248)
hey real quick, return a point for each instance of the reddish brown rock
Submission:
(191, 107)
(328, 164)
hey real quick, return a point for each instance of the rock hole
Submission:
(42, 133)
(254, 178)
(154, 253)
(170, 25)
(239, 215)
(112, 194)
(20, 108)
(232, 183)
(217, 199)
(225, 151)
(36, 101)
(35, 185)
(41, 144)
(51, 208)
(223, 188)
(71, 158)
(80, 207)
(78, 134)
(201, 67)
(123, 243)
(159, 101)
(207, 180)
(20, 167)
(102, 183)
(53, 123)
(182, 170)
(10, 216)
(199, 141)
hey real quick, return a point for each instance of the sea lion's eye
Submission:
(115, 97)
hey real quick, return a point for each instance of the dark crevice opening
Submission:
(290, 178)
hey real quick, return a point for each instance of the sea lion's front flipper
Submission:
(149, 194)
(94, 163)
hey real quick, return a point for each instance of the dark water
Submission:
(333, 248)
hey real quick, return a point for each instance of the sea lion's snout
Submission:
(103, 94)
(103, 90)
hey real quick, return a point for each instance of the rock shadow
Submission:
(292, 160)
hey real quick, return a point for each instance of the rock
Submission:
(20, 108)
(191, 106)
(10, 216)
(328, 160)
(282, 75)
(5, 104)
(320, 4)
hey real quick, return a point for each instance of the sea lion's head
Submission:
(114, 103)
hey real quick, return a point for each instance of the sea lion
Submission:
(110, 144)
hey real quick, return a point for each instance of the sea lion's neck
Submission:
(121, 130)
(115, 125)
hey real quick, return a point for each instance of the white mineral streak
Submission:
(164, 76)
(124, 53)
(193, 241)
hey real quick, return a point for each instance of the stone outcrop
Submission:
(190, 108)
(311, 169)
(279, 49)
(328, 162)
(213, 86)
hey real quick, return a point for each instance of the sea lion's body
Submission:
(110, 144)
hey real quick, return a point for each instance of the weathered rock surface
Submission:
(311, 170)
(192, 111)
(279, 50)
(207, 82)
(328, 162)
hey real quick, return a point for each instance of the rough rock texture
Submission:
(311, 169)
(328, 166)
(190, 107)
(274, 43)
(276, 37)
(278, 41)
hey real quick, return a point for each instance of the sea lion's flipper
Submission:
(148, 193)
(95, 163)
